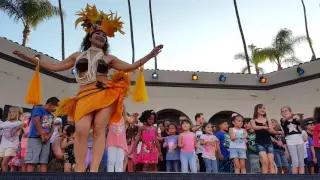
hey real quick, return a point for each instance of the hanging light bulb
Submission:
(300, 71)
(155, 75)
(194, 76)
(262, 79)
(222, 78)
(73, 71)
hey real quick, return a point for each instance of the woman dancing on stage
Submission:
(99, 100)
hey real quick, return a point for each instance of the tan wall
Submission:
(302, 97)
(7, 47)
(14, 80)
(191, 100)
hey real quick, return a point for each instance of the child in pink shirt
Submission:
(26, 119)
(116, 144)
(316, 134)
(187, 142)
(150, 147)
(210, 145)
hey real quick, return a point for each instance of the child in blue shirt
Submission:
(173, 152)
(311, 159)
(225, 163)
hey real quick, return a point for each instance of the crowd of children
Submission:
(33, 141)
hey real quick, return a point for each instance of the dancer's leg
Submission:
(101, 120)
(81, 140)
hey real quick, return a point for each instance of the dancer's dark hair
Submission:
(86, 44)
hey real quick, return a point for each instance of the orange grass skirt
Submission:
(98, 96)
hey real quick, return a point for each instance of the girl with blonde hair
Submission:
(280, 149)
(10, 139)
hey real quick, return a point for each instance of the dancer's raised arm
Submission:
(55, 67)
(123, 66)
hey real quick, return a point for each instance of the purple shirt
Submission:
(309, 144)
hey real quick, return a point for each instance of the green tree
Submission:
(307, 30)
(29, 12)
(282, 49)
(257, 57)
(242, 36)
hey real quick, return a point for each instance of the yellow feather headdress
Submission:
(93, 20)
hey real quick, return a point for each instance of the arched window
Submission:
(221, 116)
(170, 114)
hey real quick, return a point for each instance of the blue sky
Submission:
(198, 35)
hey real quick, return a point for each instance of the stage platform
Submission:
(150, 176)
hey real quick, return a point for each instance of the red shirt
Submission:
(316, 136)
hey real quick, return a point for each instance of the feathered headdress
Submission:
(93, 20)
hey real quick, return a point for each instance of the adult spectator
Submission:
(41, 130)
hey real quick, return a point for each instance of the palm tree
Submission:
(29, 12)
(256, 58)
(152, 31)
(307, 31)
(242, 36)
(131, 31)
(62, 30)
(282, 49)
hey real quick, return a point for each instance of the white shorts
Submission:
(6, 152)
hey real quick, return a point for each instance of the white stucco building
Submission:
(174, 92)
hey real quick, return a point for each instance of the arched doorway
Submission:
(221, 116)
(170, 114)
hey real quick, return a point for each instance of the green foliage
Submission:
(29, 12)
(255, 59)
(282, 49)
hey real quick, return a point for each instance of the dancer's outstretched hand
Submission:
(156, 50)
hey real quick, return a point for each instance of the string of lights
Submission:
(222, 78)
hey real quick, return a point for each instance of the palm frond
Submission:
(292, 61)
(270, 53)
(240, 56)
(12, 9)
(252, 47)
(45, 11)
(284, 44)
(258, 56)
(262, 70)
(282, 37)
(245, 69)
(287, 48)
(298, 40)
